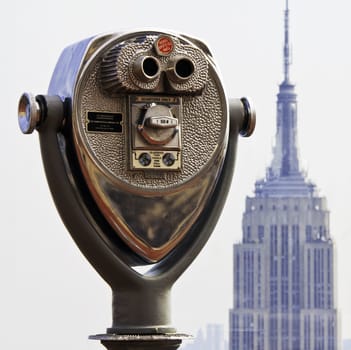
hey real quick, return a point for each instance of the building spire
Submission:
(287, 54)
(284, 176)
(285, 159)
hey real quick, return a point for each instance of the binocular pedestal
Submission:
(138, 142)
(141, 302)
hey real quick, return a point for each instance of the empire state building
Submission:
(284, 268)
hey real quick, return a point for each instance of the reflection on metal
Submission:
(151, 223)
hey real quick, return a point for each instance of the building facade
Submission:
(284, 267)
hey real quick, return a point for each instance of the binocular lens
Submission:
(146, 68)
(184, 68)
(150, 66)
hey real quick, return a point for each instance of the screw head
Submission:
(145, 159)
(168, 159)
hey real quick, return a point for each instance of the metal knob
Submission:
(29, 113)
(158, 126)
(249, 124)
(243, 113)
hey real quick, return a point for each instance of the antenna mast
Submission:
(287, 55)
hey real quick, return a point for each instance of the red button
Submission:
(164, 45)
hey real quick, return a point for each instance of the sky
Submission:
(50, 295)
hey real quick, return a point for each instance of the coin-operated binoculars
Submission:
(138, 142)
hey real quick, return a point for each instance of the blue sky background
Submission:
(48, 290)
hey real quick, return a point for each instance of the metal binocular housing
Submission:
(138, 141)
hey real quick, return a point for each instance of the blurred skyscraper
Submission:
(284, 267)
(213, 339)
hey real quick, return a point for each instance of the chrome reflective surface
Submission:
(150, 209)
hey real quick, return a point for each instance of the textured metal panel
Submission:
(203, 130)
(171, 197)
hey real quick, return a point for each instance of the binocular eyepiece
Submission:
(138, 141)
(162, 64)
